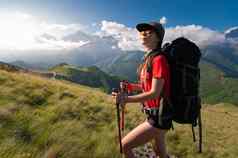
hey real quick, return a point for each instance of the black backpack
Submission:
(183, 57)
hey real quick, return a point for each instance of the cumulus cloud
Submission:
(128, 40)
(20, 32)
(57, 45)
(201, 35)
(24, 32)
(127, 37)
(163, 20)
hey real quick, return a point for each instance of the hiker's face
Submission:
(149, 39)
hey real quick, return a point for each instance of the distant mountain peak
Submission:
(231, 29)
(9, 67)
(232, 32)
(78, 36)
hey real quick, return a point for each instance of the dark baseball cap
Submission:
(156, 26)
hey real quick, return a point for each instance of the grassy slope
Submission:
(40, 117)
(220, 130)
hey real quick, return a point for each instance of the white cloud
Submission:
(163, 20)
(60, 30)
(20, 32)
(57, 45)
(200, 35)
(23, 32)
(128, 39)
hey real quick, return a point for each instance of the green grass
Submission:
(41, 117)
(38, 115)
(219, 134)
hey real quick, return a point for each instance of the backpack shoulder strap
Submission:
(149, 60)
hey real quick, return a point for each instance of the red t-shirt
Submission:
(160, 69)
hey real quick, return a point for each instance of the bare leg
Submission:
(160, 145)
(138, 136)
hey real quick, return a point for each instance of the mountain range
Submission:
(219, 63)
(104, 52)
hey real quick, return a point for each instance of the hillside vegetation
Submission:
(90, 76)
(47, 118)
(216, 86)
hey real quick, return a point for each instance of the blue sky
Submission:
(29, 27)
(217, 15)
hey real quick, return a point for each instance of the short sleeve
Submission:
(159, 67)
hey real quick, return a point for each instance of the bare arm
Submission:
(157, 85)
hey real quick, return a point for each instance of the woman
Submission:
(154, 84)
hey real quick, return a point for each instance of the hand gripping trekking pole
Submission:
(118, 122)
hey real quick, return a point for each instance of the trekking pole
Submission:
(122, 118)
(118, 122)
(123, 90)
(119, 129)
